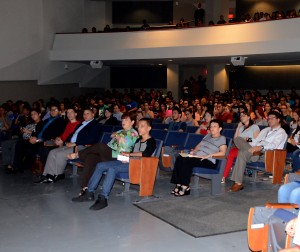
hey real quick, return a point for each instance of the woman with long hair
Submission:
(189, 120)
(204, 125)
(246, 129)
(295, 116)
(260, 119)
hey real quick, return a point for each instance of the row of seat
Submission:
(185, 140)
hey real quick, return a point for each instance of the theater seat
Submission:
(274, 164)
(215, 175)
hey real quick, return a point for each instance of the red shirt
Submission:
(225, 117)
(69, 130)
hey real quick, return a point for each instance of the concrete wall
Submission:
(248, 6)
(212, 42)
(28, 28)
(30, 91)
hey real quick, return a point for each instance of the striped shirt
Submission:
(210, 145)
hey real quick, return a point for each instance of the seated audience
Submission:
(289, 193)
(176, 123)
(54, 127)
(260, 119)
(204, 125)
(248, 131)
(222, 20)
(147, 112)
(5, 124)
(190, 121)
(117, 113)
(270, 138)
(122, 141)
(144, 147)
(50, 129)
(85, 133)
(212, 145)
(9, 146)
(109, 118)
(295, 119)
(221, 114)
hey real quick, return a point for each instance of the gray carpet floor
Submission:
(206, 215)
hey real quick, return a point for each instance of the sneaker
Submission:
(59, 177)
(84, 196)
(223, 180)
(48, 179)
(100, 203)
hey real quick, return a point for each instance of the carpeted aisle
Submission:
(205, 216)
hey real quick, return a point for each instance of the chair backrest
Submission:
(191, 129)
(157, 120)
(228, 143)
(159, 144)
(106, 137)
(229, 125)
(192, 140)
(107, 128)
(159, 126)
(228, 133)
(176, 138)
(261, 127)
(159, 134)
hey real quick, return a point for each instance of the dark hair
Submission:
(37, 109)
(176, 109)
(73, 108)
(250, 120)
(276, 112)
(147, 120)
(189, 110)
(219, 122)
(109, 109)
(131, 116)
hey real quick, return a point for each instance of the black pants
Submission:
(91, 156)
(291, 148)
(183, 169)
(24, 155)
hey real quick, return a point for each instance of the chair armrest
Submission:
(281, 205)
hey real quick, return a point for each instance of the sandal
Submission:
(183, 192)
(176, 189)
(72, 156)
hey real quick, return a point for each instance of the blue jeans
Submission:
(112, 168)
(289, 193)
(296, 160)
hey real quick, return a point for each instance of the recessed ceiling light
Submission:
(170, 60)
(160, 64)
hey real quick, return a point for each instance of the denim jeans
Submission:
(112, 168)
(289, 193)
(296, 160)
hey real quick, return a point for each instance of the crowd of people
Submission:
(71, 129)
(199, 20)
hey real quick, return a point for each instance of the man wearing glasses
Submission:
(270, 138)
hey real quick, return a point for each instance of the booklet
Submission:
(123, 158)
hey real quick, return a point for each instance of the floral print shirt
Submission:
(125, 143)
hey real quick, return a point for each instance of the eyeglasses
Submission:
(54, 110)
(273, 117)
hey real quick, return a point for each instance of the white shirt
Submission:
(271, 139)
